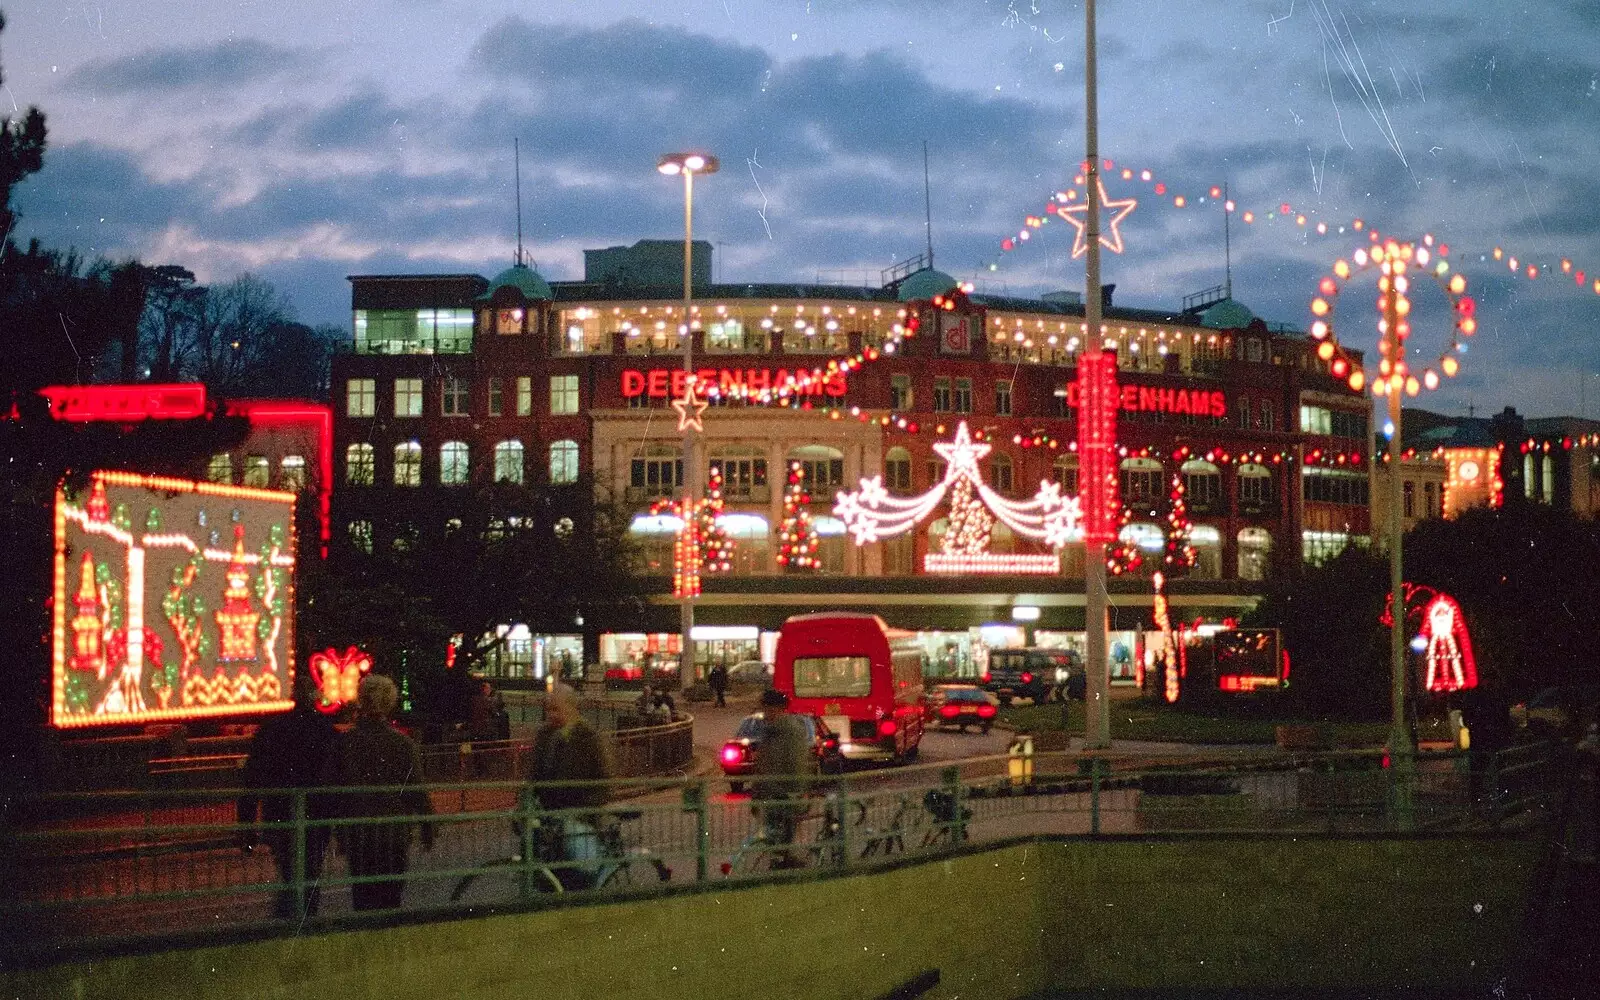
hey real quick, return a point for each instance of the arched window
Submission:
(1207, 544)
(1150, 539)
(1202, 485)
(744, 472)
(221, 468)
(751, 544)
(408, 464)
(292, 473)
(832, 543)
(1065, 473)
(824, 468)
(359, 465)
(564, 462)
(1255, 553)
(1255, 487)
(1141, 480)
(508, 462)
(1000, 473)
(453, 463)
(655, 536)
(897, 470)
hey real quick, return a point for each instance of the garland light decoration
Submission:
(871, 513)
(797, 535)
(702, 546)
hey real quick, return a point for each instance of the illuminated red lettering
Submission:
(1130, 397)
(705, 379)
(732, 382)
(1180, 401)
(1219, 404)
(680, 378)
(758, 379)
(632, 383)
(835, 384)
(1147, 397)
(781, 380)
(657, 385)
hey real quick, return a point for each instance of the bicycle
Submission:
(910, 817)
(614, 871)
(773, 846)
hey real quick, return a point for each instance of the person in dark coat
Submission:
(718, 679)
(289, 751)
(567, 748)
(784, 758)
(374, 753)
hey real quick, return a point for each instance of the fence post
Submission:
(1094, 796)
(526, 808)
(299, 853)
(952, 787)
(1491, 784)
(694, 800)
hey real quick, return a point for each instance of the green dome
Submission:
(1227, 315)
(522, 278)
(925, 284)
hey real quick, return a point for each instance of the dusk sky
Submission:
(305, 141)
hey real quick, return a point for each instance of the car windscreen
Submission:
(832, 676)
(753, 727)
(964, 694)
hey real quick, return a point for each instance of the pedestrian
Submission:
(567, 749)
(718, 679)
(290, 751)
(377, 756)
(784, 760)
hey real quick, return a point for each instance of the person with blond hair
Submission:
(567, 749)
(387, 765)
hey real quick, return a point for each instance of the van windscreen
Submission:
(832, 676)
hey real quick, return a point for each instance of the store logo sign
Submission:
(668, 383)
(1162, 399)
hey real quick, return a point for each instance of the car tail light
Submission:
(949, 711)
(732, 753)
(831, 743)
(726, 867)
(986, 676)
(985, 711)
(887, 727)
(1027, 678)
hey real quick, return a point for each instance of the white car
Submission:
(755, 672)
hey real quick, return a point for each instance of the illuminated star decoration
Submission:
(1078, 215)
(690, 407)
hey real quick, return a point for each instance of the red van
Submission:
(862, 677)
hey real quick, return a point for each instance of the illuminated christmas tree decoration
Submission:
(702, 546)
(236, 620)
(871, 513)
(797, 535)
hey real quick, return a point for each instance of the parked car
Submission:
(752, 672)
(1037, 674)
(738, 757)
(962, 705)
(1557, 711)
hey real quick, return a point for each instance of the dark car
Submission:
(738, 757)
(1040, 675)
(962, 705)
(1558, 711)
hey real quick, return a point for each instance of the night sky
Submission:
(305, 140)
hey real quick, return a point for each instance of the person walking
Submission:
(718, 679)
(289, 751)
(567, 749)
(784, 759)
(376, 754)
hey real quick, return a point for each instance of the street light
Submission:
(688, 164)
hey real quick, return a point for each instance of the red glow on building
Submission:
(126, 403)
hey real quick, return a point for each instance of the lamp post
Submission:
(688, 554)
(1392, 288)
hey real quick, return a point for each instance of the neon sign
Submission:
(173, 599)
(126, 403)
(670, 383)
(338, 676)
(1443, 644)
(1163, 399)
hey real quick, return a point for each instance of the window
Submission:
(897, 470)
(580, 331)
(1202, 485)
(1255, 553)
(563, 394)
(361, 536)
(1267, 415)
(1408, 491)
(220, 469)
(1065, 474)
(292, 473)
(941, 395)
(408, 397)
(1207, 544)
(1242, 409)
(524, 395)
(1000, 471)
(1315, 420)
(360, 397)
(508, 462)
(1317, 547)
(936, 472)
(1255, 486)
(655, 536)
(656, 473)
(1429, 501)
(963, 395)
(1002, 397)
(257, 471)
(1348, 425)
(453, 463)
(832, 676)
(497, 397)
(408, 464)
(1342, 486)
(900, 395)
(359, 465)
(728, 335)
(899, 554)
(823, 468)
(564, 462)
(751, 542)
(1253, 351)
(743, 478)
(455, 396)
(413, 331)
(509, 322)
(1141, 480)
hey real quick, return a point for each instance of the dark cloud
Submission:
(93, 197)
(222, 64)
(1507, 82)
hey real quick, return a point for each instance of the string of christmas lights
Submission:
(797, 535)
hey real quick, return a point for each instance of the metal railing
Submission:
(81, 870)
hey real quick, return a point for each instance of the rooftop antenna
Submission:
(927, 201)
(1227, 245)
(516, 152)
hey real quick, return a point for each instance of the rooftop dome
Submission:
(925, 284)
(1227, 315)
(522, 278)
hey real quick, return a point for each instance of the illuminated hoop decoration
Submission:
(338, 677)
(1396, 260)
(1522, 268)
(871, 513)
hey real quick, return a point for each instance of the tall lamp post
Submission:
(1394, 306)
(687, 573)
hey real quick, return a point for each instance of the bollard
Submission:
(1020, 763)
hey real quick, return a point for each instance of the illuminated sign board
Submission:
(668, 383)
(183, 401)
(173, 600)
(1163, 399)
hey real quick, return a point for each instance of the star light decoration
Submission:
(690, 407)
(1078, 215)
(871, 513)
